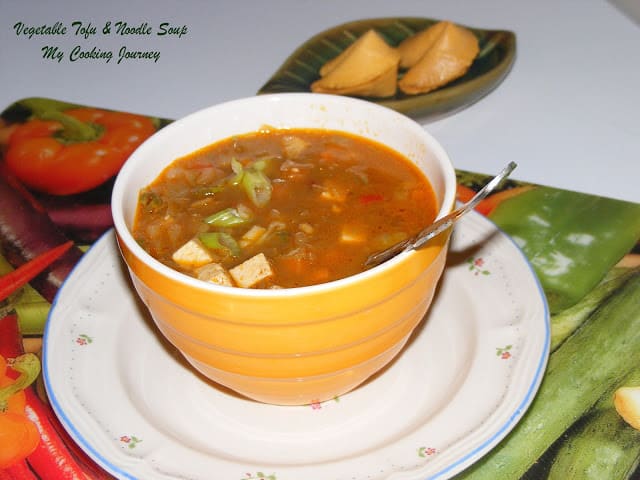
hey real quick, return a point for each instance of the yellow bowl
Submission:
(299, 345)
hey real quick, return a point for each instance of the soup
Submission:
(282, 208)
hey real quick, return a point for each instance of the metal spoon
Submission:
(441, 225)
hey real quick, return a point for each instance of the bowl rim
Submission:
(124, 235)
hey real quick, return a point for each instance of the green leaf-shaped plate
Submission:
(497, 54)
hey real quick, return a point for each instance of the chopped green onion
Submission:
(209, 190)
(257, 186)
(238, 169)
(220, 241)
(261, 164)
(255, 183)
(229, 217)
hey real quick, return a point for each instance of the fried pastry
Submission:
(413, 48)
(368, 68)
(448, 58)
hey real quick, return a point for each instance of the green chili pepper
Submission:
(571, 239)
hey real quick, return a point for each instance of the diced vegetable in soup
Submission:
(282, 208)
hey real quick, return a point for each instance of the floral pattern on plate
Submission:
(138, 408)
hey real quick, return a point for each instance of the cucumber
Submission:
(566, 322)
(602, 445)
(590, 362)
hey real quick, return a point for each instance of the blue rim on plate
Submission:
(106, 371)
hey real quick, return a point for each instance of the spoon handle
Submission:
(442, 224)
(445, 222)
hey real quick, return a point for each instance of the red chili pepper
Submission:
(372, 197)
(10, 340)
(51, 458)
(91, 469)
(12, 281)
(76, 150)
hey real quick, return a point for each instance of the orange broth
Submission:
(315, 202)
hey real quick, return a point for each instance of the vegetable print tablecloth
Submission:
(584, 249)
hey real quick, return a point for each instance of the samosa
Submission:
(368, 68)
(447, 58)
(413, 48)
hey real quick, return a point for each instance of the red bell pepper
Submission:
(55, 457)
(486, 206)
(18, 435)
(75, 150)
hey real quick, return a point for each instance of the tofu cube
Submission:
(251, 236)
(306, 228)
(352, 234)
(192, 254)
(252, 271)
(333, 192)
(333, 195)
(214, 273)
(294, 146)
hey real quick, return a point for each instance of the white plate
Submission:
(461, 384)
